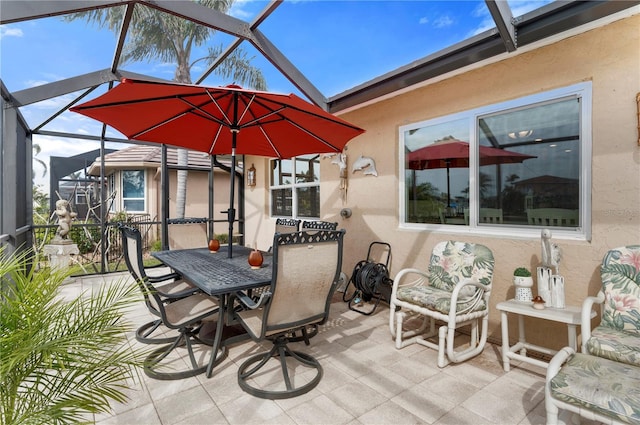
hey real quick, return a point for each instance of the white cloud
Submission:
(443, 22)
(10, 32)
(238, 10)
(423, 20)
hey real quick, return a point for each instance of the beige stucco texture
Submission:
(607, 56)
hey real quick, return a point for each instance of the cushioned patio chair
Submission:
(169, 287)
(306, 269)
(617, 337)
(183, 314)
(601, 382)
(455, 290)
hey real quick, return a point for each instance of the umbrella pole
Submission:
(231, 212)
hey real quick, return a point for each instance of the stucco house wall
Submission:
(607, 56)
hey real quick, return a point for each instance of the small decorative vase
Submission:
(255, 259)
(523, 288)
(214, 245)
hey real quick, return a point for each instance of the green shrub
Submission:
(61, 358)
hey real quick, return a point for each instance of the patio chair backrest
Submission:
(187, 233)
(491, 215)
(287, 225)
(319, 225)
(454, 261)
(306, 269)
(132, 247)
(552, 217)
(620, 273)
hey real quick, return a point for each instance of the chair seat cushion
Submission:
(189, 310)
(612, 344)
(437, 299)
(608, 387)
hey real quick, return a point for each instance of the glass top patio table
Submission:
(215, 273)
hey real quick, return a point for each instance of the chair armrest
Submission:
(557, 361)
(421, 276)
(249, 303)
(477, 296)
(162, 278)
(585, 323)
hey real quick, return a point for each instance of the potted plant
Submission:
(63, 358)
(523, 281)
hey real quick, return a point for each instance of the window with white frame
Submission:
(513, 167)
(133, 190)
(295, 187)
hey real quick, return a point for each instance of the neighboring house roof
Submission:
(148, 156)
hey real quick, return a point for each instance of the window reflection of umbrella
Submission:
(452, 153)
(220, 120)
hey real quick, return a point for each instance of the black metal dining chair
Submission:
(306, 268)
(184, 314)
(169, 286)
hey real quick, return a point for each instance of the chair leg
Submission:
(281, 351)
(475, 346)
(144, 332)
(307, 334)
(188, 338)
(443, 340)
(419, 335)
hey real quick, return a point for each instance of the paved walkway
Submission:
(366, 381)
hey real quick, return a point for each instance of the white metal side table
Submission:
(571, 315)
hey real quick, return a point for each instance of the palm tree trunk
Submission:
(181, 183)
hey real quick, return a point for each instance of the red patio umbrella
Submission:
(220, 120)
(453, 153)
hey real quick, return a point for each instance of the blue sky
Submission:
(336, 44)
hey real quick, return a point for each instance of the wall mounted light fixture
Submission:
(251, 176)
(520, 134)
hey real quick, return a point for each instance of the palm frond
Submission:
(61, 358)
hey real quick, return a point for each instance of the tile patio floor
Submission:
(366, 381)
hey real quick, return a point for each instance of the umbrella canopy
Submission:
(220, 120)
(453, 153)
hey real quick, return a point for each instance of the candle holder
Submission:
(214, 245)
(255, 259)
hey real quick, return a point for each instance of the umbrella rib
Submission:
(205, 114)
(215, 139)
(273, 146)
(246, 109)
(224, 114)
(153, 127)
(194, 107)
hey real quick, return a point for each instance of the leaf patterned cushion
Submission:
(601, 385)
(620, 346)
(452, 262)
(620, 274)
(436, 299)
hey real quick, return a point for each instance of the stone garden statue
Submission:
(65, 217)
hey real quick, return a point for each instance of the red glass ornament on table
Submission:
(214, 245)
(255, 259)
